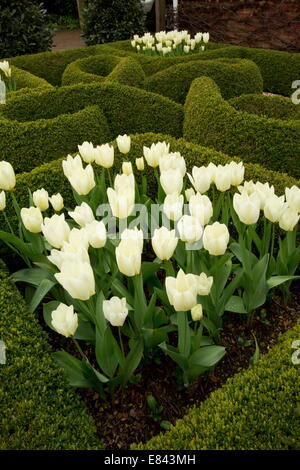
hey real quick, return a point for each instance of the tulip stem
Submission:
(8, 223)
(109, 178)
(121, 341)
(272, 240)
(79, 349)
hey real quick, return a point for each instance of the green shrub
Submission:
(234, 77)
(276, 107)
(112, 20)
(38, 409)
(254, 410)
(26, 80)
(23, 28)
(27, 145)
(212, 122)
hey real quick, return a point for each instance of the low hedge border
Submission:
(213, 122)
(276, 107)
(27, 81)
(39, 411)
(254, 410)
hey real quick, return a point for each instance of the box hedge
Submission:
(39, 410)
(213, 122)
(272, 106)
(254, 410)
(26, 80)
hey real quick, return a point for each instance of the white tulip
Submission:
(292, 196)
(77, 278)
(56, 230)
(212, 168)
(205, 37)
(96, 233)
(87, 152)
(155, 152)
(204, 284)
(189, 193)
(127, 168)
(64, 320)
(2, 201)
(247, 207)
(201, 207)
(32, 219)
(189, 228)
(69, 254)
(198, 38)
(78, 237)
(121, 202)
(104, 155)
(129, 258)
(186, 49)
(7, 176)
(248, 187)
(82, 214)
(5, 67)
(200, 179)
(124, 143)
(57, 202)
(173, 205)
(171, 181)
(216, 238)
(237, 172)
(72, 165)
(274, 208)
(197, 312)
(264, 191)
(172, 161)
(223, 178)
(115, 311)
(41, 199)
(140, 164)
(289, 220)
(164, 243)
(136, 235)
(83, 180)
(182, 291)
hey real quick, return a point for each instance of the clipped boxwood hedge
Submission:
(27, 145)
(26, 80)
(254, 410)
(276, 107)
(38, 408)
(213, 122)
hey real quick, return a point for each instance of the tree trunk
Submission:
(160, 11)
(80, 6)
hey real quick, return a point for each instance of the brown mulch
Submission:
(70, 39)
(126, 418)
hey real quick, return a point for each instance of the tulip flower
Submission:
(189, 228)
(247, 207)
(223, 178)
(32, 219)
(264, 191)
(204, 284)
(127, 168)
(129, 257)
(78, 238)
(201, 207)
(41, 199)
(77, 278)
(87, 152)
(216, 238)
(205, 37)
(122, 198)
(2, 201)
(82, 214)
(186, 49)
(69, 254)
(123, 142)
(96, 233)
(5, 67)
(182, 291)
(292, 196)
(248, 187)
(164, 243)
(173, 205)
(83, 180)
(237, 172)
(172, 161)
(171, 181)
(135, 235)
(57, 202)
(198, 38)
(56, 230)
(200, 179)
(153, 154)
(64, 320)
(140, 164)
(189, 193)
(288, 220)
(197, 312)
(115, 311)
(104, 155)
(7, 176)
(274, 208)
(72, 165)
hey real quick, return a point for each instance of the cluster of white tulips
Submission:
(171, 43)
(150, 285)
(6, 76)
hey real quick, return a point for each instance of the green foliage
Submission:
(212, 122)
(38, 409)
(255, 410)
(26, 81)
(27, 145)
(112, 20)
(276, 107)
(23, 28)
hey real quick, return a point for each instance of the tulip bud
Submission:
(129, 258)
(274, 208)
(140, 163)
(216, 238)
(171, 181)
(96, 232)
(104, 155)
(201, 207)
(115, 311)
(123, 142)
(182, 291)
(64, 320)
(247, 207)
(200, 179)
(153, 154)
(189, 228)
(237, 171)
(82, 214)
(173, 205)
(7, 176)
(69, 254)
(172, 161)
(189, 193)
(57, 202)
(83, 180)
(264, 191)
(5, 67)
(2, 201)
(122, 198)
(164, 243)
(56, 230)
(289, 220)
(77, 278)
(248, 187)
(292, 196)
(87, 152)
(137, 236)
(197, 312)
(127, 168)
(223, 178)
(72, 165)
(32, 219)
(41, 199)
(204, 284)
(78, 238)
